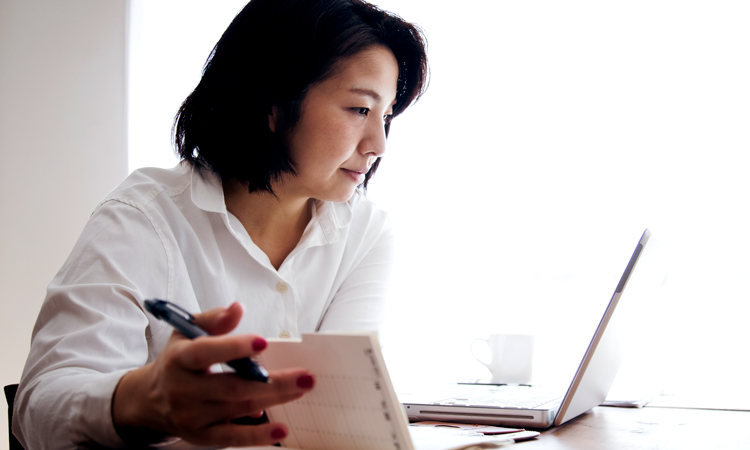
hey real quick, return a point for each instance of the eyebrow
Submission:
(369, 93)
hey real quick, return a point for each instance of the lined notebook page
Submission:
(353, 405)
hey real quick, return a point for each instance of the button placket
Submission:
(284, 288)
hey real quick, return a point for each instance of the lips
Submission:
(358, 175)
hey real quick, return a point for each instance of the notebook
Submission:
(353, 404)
(534, 406)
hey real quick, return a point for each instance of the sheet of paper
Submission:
(430, 438)
(632, 396)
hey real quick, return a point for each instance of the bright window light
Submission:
(551, 135)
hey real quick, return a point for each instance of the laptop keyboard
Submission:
(505, 397)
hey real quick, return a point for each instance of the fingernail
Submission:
(278, 433)
(259, 344)
(305, 381)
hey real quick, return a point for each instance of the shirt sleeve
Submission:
(359, 304)
(91, 330)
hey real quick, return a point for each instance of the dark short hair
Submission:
(269, 57)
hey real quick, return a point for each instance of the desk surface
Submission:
(648, 428)
(605, 428)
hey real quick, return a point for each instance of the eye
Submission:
(387, 118)
(363, 111)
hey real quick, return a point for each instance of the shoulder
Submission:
(142, 186)
(143, 212)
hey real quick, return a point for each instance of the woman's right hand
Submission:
(176, 395)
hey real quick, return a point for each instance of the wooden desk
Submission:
(648, 428)
(606, 428)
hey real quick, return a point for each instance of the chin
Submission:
(340, 197)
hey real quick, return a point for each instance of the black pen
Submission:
(184, 322)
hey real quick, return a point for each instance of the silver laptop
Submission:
(533, 406)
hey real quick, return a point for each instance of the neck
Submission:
(275, 224)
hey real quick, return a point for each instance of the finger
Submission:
(203, 352)
(231, 435)
(219, 321)
(212, 413)
(227, 387)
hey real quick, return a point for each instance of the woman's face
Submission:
(341, 130)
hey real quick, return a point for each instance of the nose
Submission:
(374, 140)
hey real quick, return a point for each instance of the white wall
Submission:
(62, 144)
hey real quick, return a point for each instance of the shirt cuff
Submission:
(94, 401)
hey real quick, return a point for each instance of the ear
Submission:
(273, 118)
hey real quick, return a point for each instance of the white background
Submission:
(551, 135)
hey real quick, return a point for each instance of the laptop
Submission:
(533, 406)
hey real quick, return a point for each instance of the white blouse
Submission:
(167, 234)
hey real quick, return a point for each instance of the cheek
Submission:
(334, 129)
(323, 141)
(334, 141)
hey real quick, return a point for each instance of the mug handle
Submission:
(471, 348)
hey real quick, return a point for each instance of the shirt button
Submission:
(284, 335)
(282, 287)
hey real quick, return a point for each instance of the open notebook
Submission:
(353, 405)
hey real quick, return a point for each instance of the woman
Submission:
(262, 230)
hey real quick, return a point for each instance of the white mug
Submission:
(510, 357)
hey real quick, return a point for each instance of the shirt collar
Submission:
(207, 192)
(332, 217)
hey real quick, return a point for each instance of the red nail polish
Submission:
(259, 344)
(305, 381)
(278, 433)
